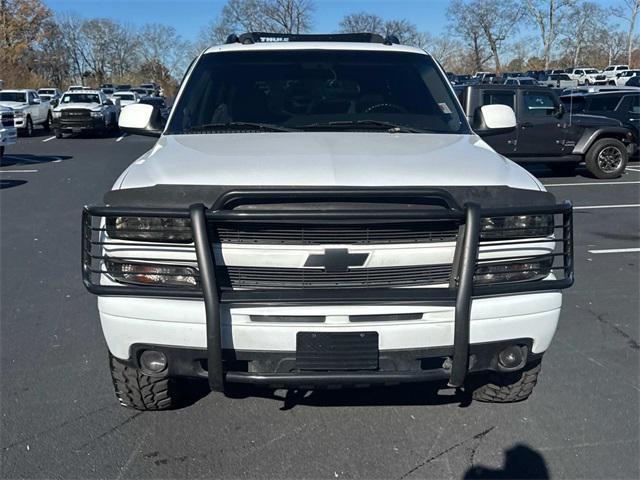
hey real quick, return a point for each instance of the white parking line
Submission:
(587, 183)
(121, 137)
(48, 139)
(590, 207)
(616, 250)
(18, 171)
(633, 169)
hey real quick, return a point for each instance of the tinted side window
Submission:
(499, 97)
(630, 104)
(538, 104)
(604, 104)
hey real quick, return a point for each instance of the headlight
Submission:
(150, 229)
(96, 114)
(516, 226)
(57, 114)
(519, 271)
(152, 274)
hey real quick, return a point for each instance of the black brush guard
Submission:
(458, 294)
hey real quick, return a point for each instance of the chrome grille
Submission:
(76, 113)
(296, 278)
(425, 232)
(7, 119)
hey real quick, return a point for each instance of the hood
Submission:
(594, 120)
(324, 159)
(88, 106)
(14, 105)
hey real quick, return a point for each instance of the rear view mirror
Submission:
(141, 119)
(494, 119)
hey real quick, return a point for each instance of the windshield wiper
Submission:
(367, 123)
(219, 127)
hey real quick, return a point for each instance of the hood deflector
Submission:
(182, 196)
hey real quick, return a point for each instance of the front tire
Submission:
(58, 133)
(607, 158)
(508, 387)
(2, 151)
(137, 390)
(28, 127)
(47, 124)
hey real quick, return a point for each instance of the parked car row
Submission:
(617, 75)
(78, 110)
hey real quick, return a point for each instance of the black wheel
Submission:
(58, 133)
(607, 158)
(2, 151)
(587, 82)
(563, 169)
(47, 124)
(505, 387)
(28, 127)
(137, 390)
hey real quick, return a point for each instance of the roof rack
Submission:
(266, 37)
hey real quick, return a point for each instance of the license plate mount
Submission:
(327, 351)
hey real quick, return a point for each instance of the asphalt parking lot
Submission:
(60, 418)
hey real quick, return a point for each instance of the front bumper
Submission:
(77, 126)
(448, 314)
(8, 136)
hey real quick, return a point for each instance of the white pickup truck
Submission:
(28, 108)
(8, 132)
(318, 212)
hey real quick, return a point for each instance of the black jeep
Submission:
(546, 132)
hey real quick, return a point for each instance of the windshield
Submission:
(591, 70)
(13, 97)
(81, 98)
(46, 91)
(319, 89)
(125, 96)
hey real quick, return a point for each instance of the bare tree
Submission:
(406, 31)
(289, 16)
(549, 17)
(279, 16)
(361, 22)
(583, 21)
(629, 12)
(464, 24)
(497, 19)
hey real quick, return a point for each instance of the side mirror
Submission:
(35, 101)
(141, 119)
(108, 102)
(494, 119)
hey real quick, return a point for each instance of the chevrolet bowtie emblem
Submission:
(336, 260)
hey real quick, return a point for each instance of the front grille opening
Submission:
(297, 278)
(432, 363)
(278, 234)
(287, 318)
(393, 317)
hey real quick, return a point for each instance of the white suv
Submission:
(612, 71)
(587, 76)
(317, 212)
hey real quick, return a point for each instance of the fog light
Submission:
(511, 358)
(153, 361)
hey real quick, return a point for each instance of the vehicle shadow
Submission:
(521, 462)
(428, 393)
(28, 159)
(540, 170)
(37, 132)
(11, 183)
